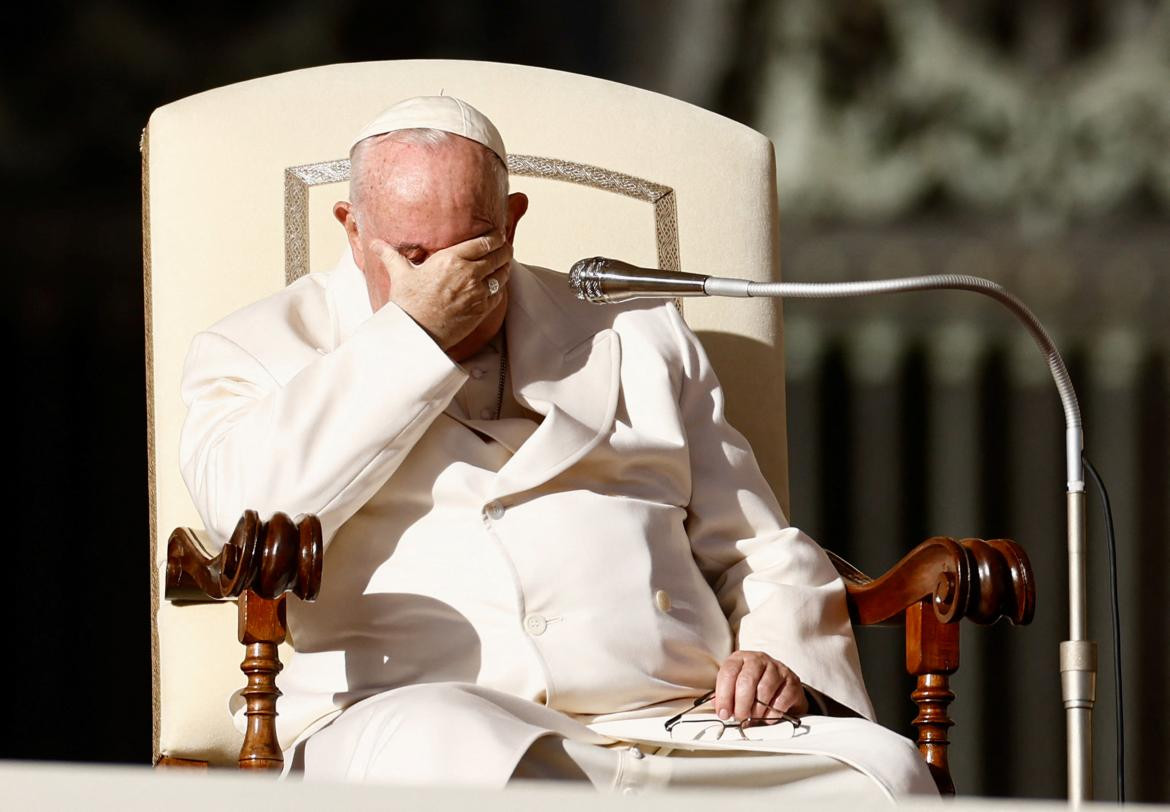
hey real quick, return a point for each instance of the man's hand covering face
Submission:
(450, 294)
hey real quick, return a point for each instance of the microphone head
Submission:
(585, 279)
(602, 280)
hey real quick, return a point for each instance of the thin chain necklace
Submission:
(503, 374)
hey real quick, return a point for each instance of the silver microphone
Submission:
(606, 281)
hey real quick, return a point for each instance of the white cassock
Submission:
(580, 567)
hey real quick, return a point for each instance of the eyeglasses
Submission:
(719, 726)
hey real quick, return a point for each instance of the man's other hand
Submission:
(449, 294)
(752, 685)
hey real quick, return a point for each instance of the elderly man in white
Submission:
(543, 538)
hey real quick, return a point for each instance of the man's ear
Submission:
(343, 211)
(517, 205)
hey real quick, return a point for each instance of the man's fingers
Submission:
(746, 686)
(480, 255)
(493, 261)
(501, 276)
(479, 247)
(391, 259)
(791, 696)
(725, 687)
(767, 692)
(494, 283)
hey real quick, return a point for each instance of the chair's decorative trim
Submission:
(299, 179)
(662, 197)
(297, 182)
(151, 478)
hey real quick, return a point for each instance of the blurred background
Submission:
(1027, 142)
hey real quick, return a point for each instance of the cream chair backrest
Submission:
(238, 183)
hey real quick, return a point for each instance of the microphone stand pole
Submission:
(1078, 654)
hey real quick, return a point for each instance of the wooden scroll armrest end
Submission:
(270, 558)
(975, 579)
(937, 584)
(261, 562)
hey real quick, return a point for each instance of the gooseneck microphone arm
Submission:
(602, 281)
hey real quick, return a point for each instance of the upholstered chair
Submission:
(238, 184)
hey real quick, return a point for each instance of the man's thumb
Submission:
(391, 259)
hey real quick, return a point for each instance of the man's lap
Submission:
(457, 733)
(633, 769)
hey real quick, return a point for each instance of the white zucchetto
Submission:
(445, 113)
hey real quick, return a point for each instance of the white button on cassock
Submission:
(477, 373)
(494, 510)
(535, 625)
(636, 753)
(662, 598)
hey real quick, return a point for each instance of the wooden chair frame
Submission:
(939, 583)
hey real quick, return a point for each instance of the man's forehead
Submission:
(457, 169)
(431, 203)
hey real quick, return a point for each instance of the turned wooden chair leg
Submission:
(932, 655)
(262, 628)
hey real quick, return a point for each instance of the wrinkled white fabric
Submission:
(634, 769)
(459, 734)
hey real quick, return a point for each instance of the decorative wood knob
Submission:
(270, 558)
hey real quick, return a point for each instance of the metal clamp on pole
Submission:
(1078, 687)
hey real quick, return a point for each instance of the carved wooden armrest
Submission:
(940, 582)
(259, 564)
